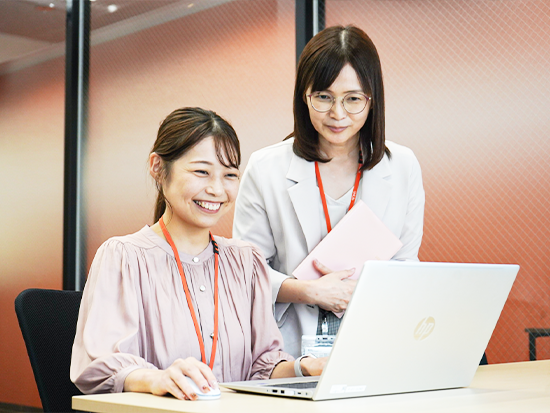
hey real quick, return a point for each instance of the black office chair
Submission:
(483, 361)
(47, 319)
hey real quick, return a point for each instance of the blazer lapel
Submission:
(305, 199)
(376, 187)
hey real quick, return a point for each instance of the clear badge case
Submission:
(319, 346)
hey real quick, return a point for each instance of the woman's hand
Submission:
(333, 290)
(173, 380)
(313, 366)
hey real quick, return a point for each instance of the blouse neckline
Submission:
(190, 259)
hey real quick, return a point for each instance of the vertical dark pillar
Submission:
(310, 20)
(319, 16)
(76, 107)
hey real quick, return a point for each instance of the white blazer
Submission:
(277, 209)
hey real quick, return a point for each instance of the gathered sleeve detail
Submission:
(107, 345)
(267, 341)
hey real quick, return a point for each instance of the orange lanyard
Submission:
(324, 199)
(188, 295)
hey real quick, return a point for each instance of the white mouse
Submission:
(213, 394)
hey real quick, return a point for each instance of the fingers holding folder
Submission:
(359, 236)
(333, 290)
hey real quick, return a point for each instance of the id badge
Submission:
(318, 345)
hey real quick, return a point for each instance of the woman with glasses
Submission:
(294, 192)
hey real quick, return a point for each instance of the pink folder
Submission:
(358, 237)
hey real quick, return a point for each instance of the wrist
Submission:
(143, 380)
(301, 365)
(138, 380)
(308, 292)
(296, 291)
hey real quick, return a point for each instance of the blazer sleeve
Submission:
(251, 221)
(411, 235)
(106, 347)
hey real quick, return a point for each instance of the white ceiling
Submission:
(32, 31)
(13, 47)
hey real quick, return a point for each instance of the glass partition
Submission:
(233, 57)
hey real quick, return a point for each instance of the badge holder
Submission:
(318, 345)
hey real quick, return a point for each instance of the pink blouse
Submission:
(134, 313)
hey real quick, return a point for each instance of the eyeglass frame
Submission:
(369, 98)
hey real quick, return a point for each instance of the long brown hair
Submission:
(320, 64)
(182, 130)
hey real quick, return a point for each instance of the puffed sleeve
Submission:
(251, 223)
(411, 235)
(267, 341)
(107, 347)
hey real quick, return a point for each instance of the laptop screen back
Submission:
(414, 326)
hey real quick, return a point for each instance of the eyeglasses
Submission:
(353, 103)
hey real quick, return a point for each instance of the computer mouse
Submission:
(213, 394)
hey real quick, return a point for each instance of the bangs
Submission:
(325, 74)
(331, 63)
(227, 149)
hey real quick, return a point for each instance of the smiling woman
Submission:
(195, 163)
(181, 303)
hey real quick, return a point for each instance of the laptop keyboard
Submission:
(306, 385)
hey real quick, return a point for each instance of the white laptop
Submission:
(410, 326)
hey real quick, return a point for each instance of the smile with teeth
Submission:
(211, 206)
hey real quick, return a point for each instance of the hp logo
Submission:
(424, 328)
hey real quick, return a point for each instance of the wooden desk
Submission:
(498, 388)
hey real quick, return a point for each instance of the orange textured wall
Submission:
(31, 208)
(466, 87)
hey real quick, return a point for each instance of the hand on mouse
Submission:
(205, 394)
(173, 380)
